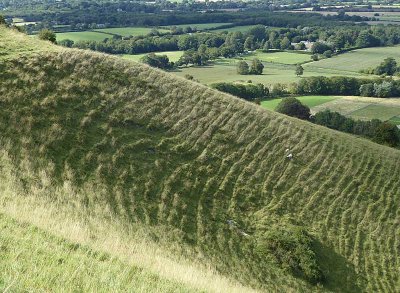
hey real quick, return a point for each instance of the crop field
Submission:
(200, 26)
(129, 31)
(279, 57)
(376, 111)
(383, 16)
(224, 70)
(172, 55)
(356, 60)
(361, 108)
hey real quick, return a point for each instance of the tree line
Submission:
(325, 41)
(381, 132)
(336, 85)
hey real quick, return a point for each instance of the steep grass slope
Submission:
(64, 266)
(206, 174)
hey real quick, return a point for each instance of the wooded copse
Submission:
(319, 85)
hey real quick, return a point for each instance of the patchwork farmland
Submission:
(361, 108)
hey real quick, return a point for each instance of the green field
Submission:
(101, 34)
(356, 60)
(279, 57)
(172, 55)
(129, 31)
(110, 168)
(242, 28)
(396, 120)
(200, 26)
(310, 101)
(361, 108)
(224, 70)
(83, 36)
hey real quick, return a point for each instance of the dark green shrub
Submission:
(293, 249)
(242, 68)
(293, 107)
(47, 35)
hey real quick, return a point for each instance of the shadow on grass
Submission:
(340, 274)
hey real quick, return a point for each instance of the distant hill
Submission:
(106, 152)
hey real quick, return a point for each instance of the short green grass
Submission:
(129, 31)
(101, 34)
(356, 60)
(172, 55)
(310, 101)
(279, 57)
(396, 120)
(83, 36)
(241, 28)
(200, 26)
(224, 70)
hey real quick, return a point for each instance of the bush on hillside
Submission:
(293, 107)
(2, 20)
(292, 248)
(47, 35)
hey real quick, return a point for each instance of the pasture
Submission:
(279, 57)
(361, 108)
(242, 28)
(172, 55)
(129, 31)
(199, 26)
(310, 101)
(83, 36)
(356, 60)
(101, 34)
(224, 70)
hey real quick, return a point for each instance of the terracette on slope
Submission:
(156, 149)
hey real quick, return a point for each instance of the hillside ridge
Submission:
(112, 137)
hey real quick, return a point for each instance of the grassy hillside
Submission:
(33, 260)
(116, 146)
